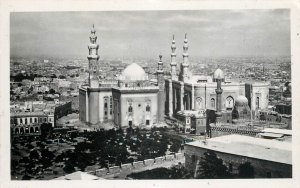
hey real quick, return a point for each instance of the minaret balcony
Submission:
(173, 63)
(93, 46)
(93, 56)
(219, 91)
(185, 55)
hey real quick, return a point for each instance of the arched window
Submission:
(148, 108)
(130, 108)
(229, 103)
(199, 103)
(257, 102)
(212, 103)
(22, 130)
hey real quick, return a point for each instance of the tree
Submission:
(211, 167)
(14, 164)
(179, 172)
(61, 77)
(52, 91)
(26, 177)
(246, 170)
(69, 168)
(262, 117)
(175, 147)
(47, 155)
(34, 155)
(46, 130)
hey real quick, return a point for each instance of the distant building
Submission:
(26, 118)
(270, 158)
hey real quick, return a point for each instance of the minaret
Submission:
(173, 61)
(93, 95)
(185, 63)
(93, 58)
(219, 92)
(219, 78)
(161, 91)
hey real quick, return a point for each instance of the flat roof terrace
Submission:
(258, 148)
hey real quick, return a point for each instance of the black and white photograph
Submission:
(183, 94)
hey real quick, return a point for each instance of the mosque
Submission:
(191, 98)
(133, 100)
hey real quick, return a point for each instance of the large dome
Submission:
(241, 101)
(133, 72)
(219, 74)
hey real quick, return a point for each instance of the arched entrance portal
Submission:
(31, 130)
(229, 103)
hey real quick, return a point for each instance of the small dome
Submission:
(133, 72)
(219, 74)
(241, 101)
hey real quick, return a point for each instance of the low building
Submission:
(26, 118)
(192, 121)
(270, 158)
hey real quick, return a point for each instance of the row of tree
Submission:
(212, 167)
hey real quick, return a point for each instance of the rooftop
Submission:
(258, 148)
(278, 131)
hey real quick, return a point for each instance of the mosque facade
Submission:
(189, 96)
(133, 100)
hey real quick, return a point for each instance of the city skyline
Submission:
(136, 34)
(130, 114)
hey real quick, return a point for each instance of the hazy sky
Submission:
(147, 33)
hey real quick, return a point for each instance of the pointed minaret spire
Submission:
(93, 31)
(173, 60)
(185, 64)
(93, 58)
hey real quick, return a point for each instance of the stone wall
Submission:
(136, 166)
